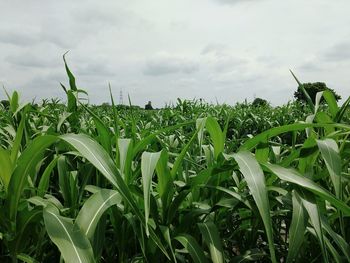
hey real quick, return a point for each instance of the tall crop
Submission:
(189, 183)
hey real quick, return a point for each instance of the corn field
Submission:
(193, 182)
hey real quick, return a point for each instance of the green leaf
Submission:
(26, 218)
(72, 243)
(309, 202)
(262, 151)
(26, 162)
(6, 167)
(297, 227)
(255, 179)
(307, 96)
(231, 193)
(123, 147)
(165, 182)
(93, 208)
(148, 139)
(70, 75)
(45, 178)
(339, 240)
(148, 165)
(65, 181)
(330, 153)
(98, 157)
(26, 258)
(251, 143)
(216, 135)
(104, 134)
(17, 142)
(292, 176)
(200, 124)
(342, 110)
(332, 103)
(181, 156)
(191, 245)
(212, 239)
(175, 204)
(14, 102)
(115, 115)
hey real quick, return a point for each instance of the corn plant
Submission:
(193, 182)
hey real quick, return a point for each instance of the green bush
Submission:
(260, 102)
(312, 89)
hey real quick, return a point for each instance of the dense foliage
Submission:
(312, 89)
(189, 183)
(260, 102)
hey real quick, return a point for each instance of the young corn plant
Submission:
(190, 183)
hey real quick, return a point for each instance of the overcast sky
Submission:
(159, 50)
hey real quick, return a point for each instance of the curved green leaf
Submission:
(26, 162)
(330, 153)
(251, 143)
(148, 165)
(93, 208)
(297, 227)
(292, 176)
(216, 135)
(191, 245)
(6, 167)
(72, 243)
(309, 202)
(255, 179)
(98, 157)
(212, 239)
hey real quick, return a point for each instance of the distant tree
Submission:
(260, 102)
(312, 89)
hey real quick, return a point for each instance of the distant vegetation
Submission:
(190, 183)
(312, 89)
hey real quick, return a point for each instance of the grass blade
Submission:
(98, 157)
(148, 165)
(93, 208)
(255, 179)
(309, 202)
(211, 237)
(297, 227)
(330, 153)
(6, 168)
(292, 176)
(72, 243)
(191, 245)
(26, 162)
(216, 135)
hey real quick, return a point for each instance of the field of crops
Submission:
(189, 183)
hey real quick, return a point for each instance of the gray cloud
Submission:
(338, 53)
(99, 69)
(235, 78)
(22, 38)
(310, 66)
(252, 47)
(216, 48)
(328, 58)
(164, 64)
(221, 58)
(33, 61)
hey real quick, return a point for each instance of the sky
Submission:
(223, 51)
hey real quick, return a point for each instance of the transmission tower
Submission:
(121, 102)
